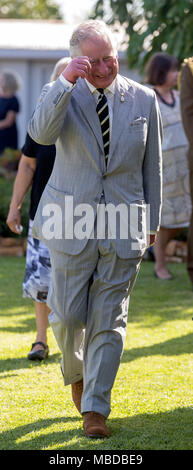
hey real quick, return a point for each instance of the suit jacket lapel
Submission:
(88, 106)
(121, 111)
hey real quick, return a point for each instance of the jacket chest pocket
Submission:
(136, 137)
(138, 129)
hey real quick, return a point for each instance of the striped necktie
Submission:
(103, 114)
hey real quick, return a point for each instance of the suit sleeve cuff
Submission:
(68, 85)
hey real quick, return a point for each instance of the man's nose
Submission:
(102, 67)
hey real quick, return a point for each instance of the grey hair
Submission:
(89, 30)
(56, 71)
(10, 81)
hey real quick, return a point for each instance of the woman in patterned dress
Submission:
(162, 74)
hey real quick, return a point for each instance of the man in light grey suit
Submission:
(107, 131)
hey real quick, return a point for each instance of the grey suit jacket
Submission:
(133, 174)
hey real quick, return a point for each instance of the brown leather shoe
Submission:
(77, 389)
(94, 425)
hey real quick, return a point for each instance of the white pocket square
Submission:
(139, 120)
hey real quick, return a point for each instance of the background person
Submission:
(34, 170)
(186, 93)
(9, 107)
(162, 74)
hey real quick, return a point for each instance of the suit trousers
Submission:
(89, 299)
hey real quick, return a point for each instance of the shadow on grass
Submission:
(17, 363)
(22, 326)
(168, 430)
(172, 347)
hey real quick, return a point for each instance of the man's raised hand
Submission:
(78, 67)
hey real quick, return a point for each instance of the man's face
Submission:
(104, 63)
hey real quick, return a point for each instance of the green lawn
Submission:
(152, 399)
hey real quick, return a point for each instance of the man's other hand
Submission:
(151, 240)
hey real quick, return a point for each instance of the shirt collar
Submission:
(110, 88)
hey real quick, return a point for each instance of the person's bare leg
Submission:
(163, 238)
(42, 311)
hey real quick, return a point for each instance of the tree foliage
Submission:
(152, 26)
(29, 9)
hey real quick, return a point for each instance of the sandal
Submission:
(40, 354)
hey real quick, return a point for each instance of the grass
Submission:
(152, 396)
